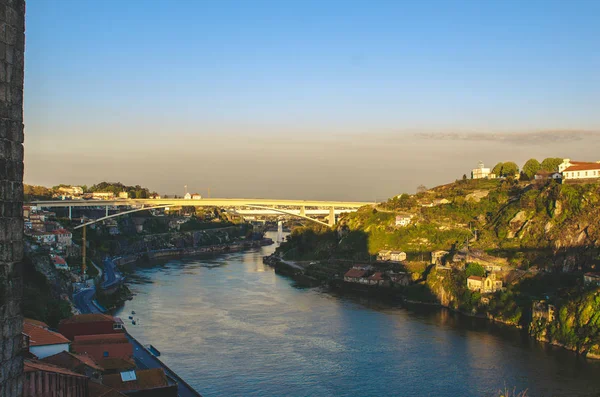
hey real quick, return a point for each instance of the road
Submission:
(145, 360)
(112, 276)
(83, 301)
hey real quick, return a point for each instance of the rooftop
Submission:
(40, 335)
(100, 390)
(475, 278)
(101, 339)
(355, 273)
(89, 318)
(582, 167)
(35, 365)
(145, 379)
(72, 361)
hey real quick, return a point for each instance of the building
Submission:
(103, 195)
(142, 383)
(579, 170)
(403, 220)
(103, 346)
(155, 196)
(187, 196)
(376, 279)
(543, 310)
(71, 190)
(41, 341)
(397, 256)
(42, 379)
(401, 278)
(591, 278)
(355, 275)
(481, 172)
(59, 262)
(47, 238)
(384, 255)
(90, 324)
(79, 363)
(438, 256)
(484, 284)
(100, 390)
(123, 195)
(64, 238)
(542, 175)
(196, 196)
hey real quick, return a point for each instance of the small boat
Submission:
(131, 317)
(133, 312)
(133, 322)
(153, 350)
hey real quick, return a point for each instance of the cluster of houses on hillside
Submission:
(48, 233)
(77, 193)
(568, 170)
(92, 354)
(368, 275)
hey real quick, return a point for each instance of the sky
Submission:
(352, 100)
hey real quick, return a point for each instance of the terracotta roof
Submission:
(120, 363)
(145, 379)
(397, 252)
(72, 361)
(100, 390)
(35, 365)
(42, 336)
(58, 260)
(475, 278)
(376, 276)
(35, 322)
(61, 231)
(101, 339)
(583, 167)
(87, 318)
(355, 273)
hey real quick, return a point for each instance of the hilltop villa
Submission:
(579, 170)
(481, 172)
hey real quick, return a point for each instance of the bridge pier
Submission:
(332, 216)
(107, 210)
(70, 217)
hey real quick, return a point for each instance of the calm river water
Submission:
(231, 327)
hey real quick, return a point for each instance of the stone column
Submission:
(12, 46)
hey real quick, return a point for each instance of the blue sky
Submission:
(131, 70)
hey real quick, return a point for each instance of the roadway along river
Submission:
(231, 327)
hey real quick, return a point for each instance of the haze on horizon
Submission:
(318, 100)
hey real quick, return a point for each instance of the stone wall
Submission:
(12, 45)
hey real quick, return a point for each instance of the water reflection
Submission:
(231, 326)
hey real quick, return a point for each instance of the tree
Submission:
(531, 167)
(464, 178)
(551, 164)
(497, 169)
(474, 269)
(509, 169)
(421, 189)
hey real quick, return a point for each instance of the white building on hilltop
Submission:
(579, 170)
(481, 172)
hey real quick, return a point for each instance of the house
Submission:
(90, 324)
(155, 196)
(47, 238)
(397, 256)
(441, 201)
(591, 278)
(123, 195)
(79, 363)
(403, 220)
(376, 279)
(71, 190)
(481, 172)
(64, 237)
(438, 256)
(384, 255)
(187, 196)
(142, 383)
(355, 275)
(59, 262)
(103, 195)
(542, 175)
(41, 341)
(196, 196)
(100, 390)
(578, 170)
(103, 346)
(401, 278)
(484, 284)
(43, 379)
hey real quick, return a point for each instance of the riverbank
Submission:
(403, 295)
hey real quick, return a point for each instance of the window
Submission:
(105, 354)
(586, 173)
(117, 326)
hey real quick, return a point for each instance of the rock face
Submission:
(12, 45)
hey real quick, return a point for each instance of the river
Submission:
(230, 326)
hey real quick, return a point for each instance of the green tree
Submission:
(509, 169)
(531, 167)
(497, 169)
(551, 164)
(474, 269)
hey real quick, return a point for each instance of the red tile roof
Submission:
(475, 278)
(101, 339)
(100, 390)
(355, 273)
(88, 318)
(61, 231)
(583, 167)
(119, 363)
(72, 361)
(145, 379)
(35, 365)
(376, 276)
(42, 336)
(58, 260)
(35, 322)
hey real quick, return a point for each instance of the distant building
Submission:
(142, 383)
(403, 220)
(103, 195)
(43, 379)
(542, 175)
(71, 190)
(187, 196)
(481, 172)
(376, 279)
(79, 363)
(103, 347)
(196, 196)
(59, 262)
(384, 255)
(441, 201)
(123, 195)
(543, 310)
(401, 278)
(64, 237)
(484, 284)
(577, 170)
(155, 196)
(41, 341)
(397, 256)
(355, 275)
(438, 256)
(46, 238)
(90, 324)
(591, 278)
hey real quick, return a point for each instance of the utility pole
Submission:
(83, 252)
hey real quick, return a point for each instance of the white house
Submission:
(187, 196)
(123, 195)
(384, 255)
(196, 196)
(481, 172)
(484, 284)
(397, 256)
(403, 220)
(41, 341)
(579, 170)
(545, 175)
(103, 195)
(63, 237)
(59, 262)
